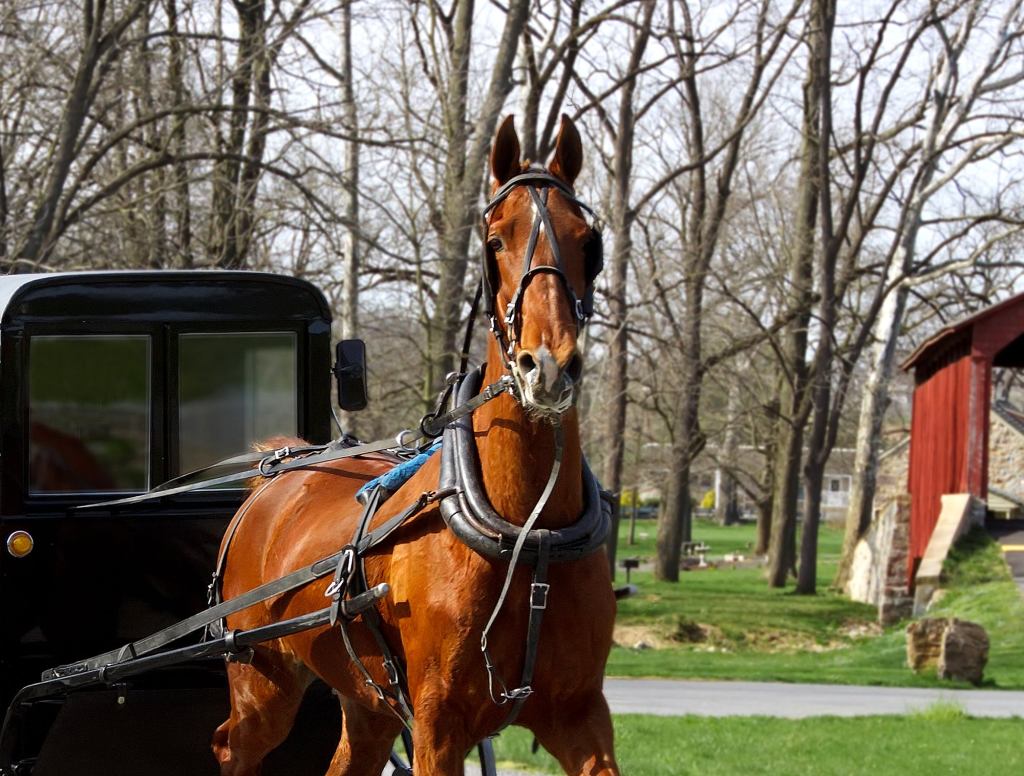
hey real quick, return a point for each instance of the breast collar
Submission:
(472, 518)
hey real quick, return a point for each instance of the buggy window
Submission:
(89, 413)
(235, 389)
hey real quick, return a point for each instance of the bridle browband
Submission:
(582, 309)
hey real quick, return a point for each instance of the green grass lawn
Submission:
(939, 741)
(726, 623)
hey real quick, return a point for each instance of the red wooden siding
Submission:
(938, 445)
(949, 430)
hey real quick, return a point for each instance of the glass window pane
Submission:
(89, 413)
(235, 389)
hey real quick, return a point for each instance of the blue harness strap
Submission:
(392, 480)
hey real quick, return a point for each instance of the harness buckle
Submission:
(520, 693)
(266, 464)
(539, 595)
(376, 688)
(410, 434)
(346, 563)
(392, 672)
(581, 314)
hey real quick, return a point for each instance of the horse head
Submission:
(541, 257)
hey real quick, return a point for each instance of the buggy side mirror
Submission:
(350, 372)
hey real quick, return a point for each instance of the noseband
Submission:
(582, 308)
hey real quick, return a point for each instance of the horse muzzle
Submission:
(543, 387)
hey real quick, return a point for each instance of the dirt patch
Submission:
(860, 629)
(702, 637)
(789, 642)
(641, 637)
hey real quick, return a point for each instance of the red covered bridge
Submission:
(950, 425)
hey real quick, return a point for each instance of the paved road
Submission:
(1010, 535)
(721, 699)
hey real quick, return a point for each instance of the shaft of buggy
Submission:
(230, 643)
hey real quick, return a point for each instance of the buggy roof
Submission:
(157, 295)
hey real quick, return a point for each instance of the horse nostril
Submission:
(574, 369)
(526, 362)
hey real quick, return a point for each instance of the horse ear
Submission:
(505, 152)
(567, 160)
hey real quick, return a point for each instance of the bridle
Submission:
(509, 336)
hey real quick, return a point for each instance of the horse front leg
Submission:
(366, 740)
(265, 697)
(581, 738)
(439, 744)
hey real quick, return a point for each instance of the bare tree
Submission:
(706, 205)
(102, 28)
(467, 141)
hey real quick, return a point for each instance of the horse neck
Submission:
(516, 456)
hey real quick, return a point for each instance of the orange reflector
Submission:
(20, 544)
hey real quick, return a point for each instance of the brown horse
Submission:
(441, 591)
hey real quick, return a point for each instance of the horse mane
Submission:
(269, 444)
(277, 442)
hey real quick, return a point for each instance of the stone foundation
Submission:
(878, 575)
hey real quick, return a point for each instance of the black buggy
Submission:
(113, 382)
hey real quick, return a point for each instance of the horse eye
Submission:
(495, 244)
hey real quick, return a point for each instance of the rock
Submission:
(924, 643)
(955, 648)
(964, 652)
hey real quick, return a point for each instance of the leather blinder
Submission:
(492, 279)
(593, 263)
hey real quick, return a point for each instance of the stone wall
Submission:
(879, 572)
(893, 469)
(1006, 452)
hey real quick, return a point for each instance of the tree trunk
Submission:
(807, 575)
(782, 543)
(179, 138)
(3, 209)
(821, 391)
(616, 383)
(224, 208)
(869, 428)
(727, 508)
(677, 524)
(782, 548)
(890, 319)
(675, 514)
(463, 177)
(766, 503)
(349, 312)
(765, 507)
